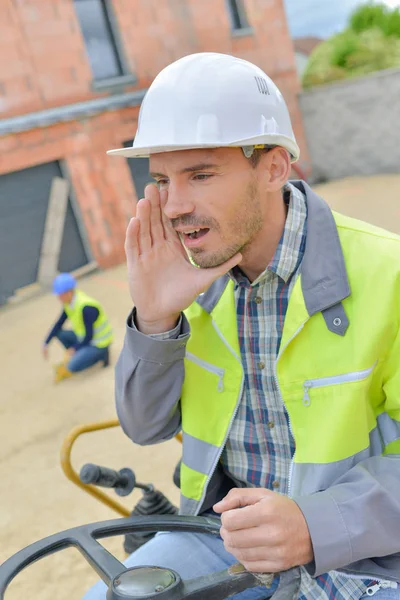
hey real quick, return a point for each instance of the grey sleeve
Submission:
(355, 524)
(148, 382)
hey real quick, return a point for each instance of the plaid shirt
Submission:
(260, 447)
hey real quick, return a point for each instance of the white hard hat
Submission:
(211, 100)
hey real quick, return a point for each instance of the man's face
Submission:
(213, 200)
(66, 297)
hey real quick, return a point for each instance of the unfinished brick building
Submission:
(72, 76)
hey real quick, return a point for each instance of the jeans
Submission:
(192, 555)
(85, 357)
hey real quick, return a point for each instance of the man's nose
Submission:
(178, 202)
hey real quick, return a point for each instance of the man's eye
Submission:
(162, 182)
(202, 176)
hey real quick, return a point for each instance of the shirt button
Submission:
(261, 365)
(258, 299)
(271, 425)
(275, 484)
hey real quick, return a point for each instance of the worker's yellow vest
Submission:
(342, 393)
(102, 332)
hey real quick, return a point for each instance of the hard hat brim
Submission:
(143, 152)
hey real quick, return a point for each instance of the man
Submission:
(278, 358)
(89, 340)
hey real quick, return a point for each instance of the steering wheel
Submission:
(137, 583)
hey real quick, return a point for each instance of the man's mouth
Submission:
(191, 238)
(195, 234)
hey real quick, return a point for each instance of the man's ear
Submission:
(277, 164)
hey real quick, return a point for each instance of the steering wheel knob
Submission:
(146, 582)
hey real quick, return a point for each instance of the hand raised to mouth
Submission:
(162, 281)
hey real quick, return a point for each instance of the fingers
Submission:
(152, 194)
(255, 550)
(240, 497)
(143, 215)
(251, 555)
(259, 549)
(169, 231)
(208, 276)
(263, 566)
(255, 508)
(247, 539)
(245, 518)
(228, 265)
(211, 274)
(150, 216)
(132, 247)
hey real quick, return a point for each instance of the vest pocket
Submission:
(335, 380)
(208, 367)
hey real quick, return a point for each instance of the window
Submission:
(140, 172)
(103, 46)
(237, 15)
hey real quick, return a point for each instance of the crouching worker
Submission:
(88, 341)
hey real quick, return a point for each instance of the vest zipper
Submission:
(376, 585)
(335, 380)
(214, 466)
(281, 350)
(372, 589)
(208, 367)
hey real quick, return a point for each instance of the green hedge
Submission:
(370, 43)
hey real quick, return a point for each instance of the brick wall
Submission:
(43, 56)
(43, 64)
(103, 186)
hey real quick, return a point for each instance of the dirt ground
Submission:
(35, 415)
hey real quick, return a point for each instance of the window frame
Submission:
(239, 8)
(126, 77)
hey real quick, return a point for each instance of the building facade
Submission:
(72, 76)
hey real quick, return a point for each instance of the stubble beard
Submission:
(240, 233)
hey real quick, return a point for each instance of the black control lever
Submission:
(153, 502)
(123, 481)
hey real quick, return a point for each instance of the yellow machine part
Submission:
(72, 475)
